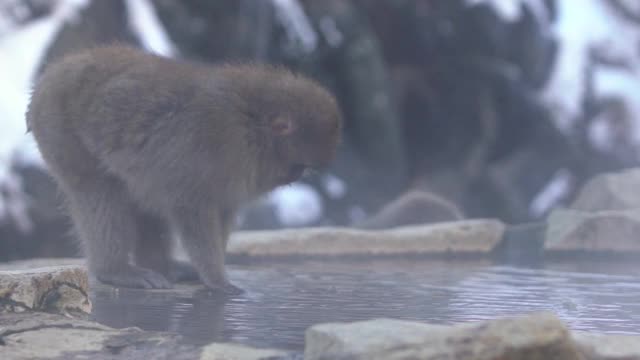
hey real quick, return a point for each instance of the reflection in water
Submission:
(281, 301)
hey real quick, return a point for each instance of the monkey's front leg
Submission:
(203, 232)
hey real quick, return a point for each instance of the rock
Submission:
(224, 351)
(364, 339)
(536, 336)
(411, 208)
(608, 347)
(48, 336)
(25, 336)
(455, 238)
(35, 263)
(612, 191)
(60, 289)
(612, 231)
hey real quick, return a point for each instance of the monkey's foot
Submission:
(134, 277)
(182, 271)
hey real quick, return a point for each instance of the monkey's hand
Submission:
(133, 277)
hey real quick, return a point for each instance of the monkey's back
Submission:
(116, 111)
(59, 101)
(106, 94)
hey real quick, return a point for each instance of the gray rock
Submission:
(41, 336)
(608, 347)
(35, 263)
(614, 231)
(612, 191)
(226, 351)
(411, 208)
(50, 336)
(61, 289)
(537, 336)
(365, 338)
(459, 237)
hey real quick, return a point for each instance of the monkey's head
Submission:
(304, 122)
(298, 121)
(306, 126)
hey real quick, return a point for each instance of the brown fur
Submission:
(140, 144)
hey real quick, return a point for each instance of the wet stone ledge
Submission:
(610, 231)
(604, 218)
(536, 336)
(610, 191)
(49, 336)
(228, 351)
(608, 347)
(467, 237)
(35, 335)
(59, 289)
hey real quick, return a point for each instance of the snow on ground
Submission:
(20, 54)
(511, 10)
(330, 31)
(297, 204)
(19, 11)
(592, 25)
(296, 23)
(580, 29)
(624, 86)
(334, 186)
(555, 191)
(148, 29)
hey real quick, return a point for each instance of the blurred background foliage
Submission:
(458, 99)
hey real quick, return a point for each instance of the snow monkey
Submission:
(143, 146)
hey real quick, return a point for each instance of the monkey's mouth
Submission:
(294, 173)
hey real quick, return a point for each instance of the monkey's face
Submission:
(309, 143)
(304, 124)
(292, 173)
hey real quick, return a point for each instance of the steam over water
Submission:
(282, 300)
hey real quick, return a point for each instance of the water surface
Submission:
(282, 300)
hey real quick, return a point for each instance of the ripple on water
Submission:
(282, 300)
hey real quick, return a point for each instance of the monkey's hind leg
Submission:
(153, 249)
(105, 220)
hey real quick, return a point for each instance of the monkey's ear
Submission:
(282, 126)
